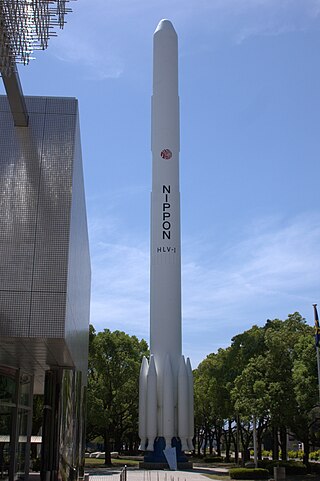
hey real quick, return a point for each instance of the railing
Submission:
(123, 474)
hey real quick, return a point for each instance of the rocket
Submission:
(166, 383)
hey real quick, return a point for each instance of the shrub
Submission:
(36, 464)
(295, 454)
(248, 473)
(292, 467)
(315, 468)
(266, 454)
(230, 460)
(267, 464)
(299, 454)
(213, 459)
(315, 455)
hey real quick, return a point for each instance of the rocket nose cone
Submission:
(165, 26)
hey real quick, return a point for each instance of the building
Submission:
(44, 287)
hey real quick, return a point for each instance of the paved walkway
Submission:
(197, 474)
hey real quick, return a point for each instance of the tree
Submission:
(305, 421)
(245, 348)
(214, 411)
(267, 374)
(207, 422)
(279, 384)
(113, 387)
(251, 396)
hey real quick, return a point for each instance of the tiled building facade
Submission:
(44, 286)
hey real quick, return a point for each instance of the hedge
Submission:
(315, 455)
(292, 467)
(314, 468)
(295, 454)
(213, 459)
(248, 473)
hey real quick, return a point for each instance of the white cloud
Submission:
(120, 279)
(270, 272)
(275, 261)
(100, 38)
(99, 62)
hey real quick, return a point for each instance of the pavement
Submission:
(134, 474)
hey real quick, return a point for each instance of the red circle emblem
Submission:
(166, 154)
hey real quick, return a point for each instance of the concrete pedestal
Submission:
(155, 466)
(279, 473)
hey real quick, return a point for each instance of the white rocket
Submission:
(166, 383)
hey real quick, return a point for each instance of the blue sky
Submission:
(250, 157)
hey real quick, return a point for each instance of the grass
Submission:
(94, 461)
(99, 463)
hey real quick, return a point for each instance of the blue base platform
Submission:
(157, 455)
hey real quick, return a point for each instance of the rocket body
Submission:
(173, 404)
(165, 255)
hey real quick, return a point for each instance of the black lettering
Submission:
(165, 206)
(166, 235)
(166, 225)
(158, 249)
(165, 215)
(165, 189)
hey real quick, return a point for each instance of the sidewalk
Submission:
(133, 474)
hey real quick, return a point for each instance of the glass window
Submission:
(7, 411)
(15, 423)
(7, 389)
(22, 445)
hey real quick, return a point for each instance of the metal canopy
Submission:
(25, 26)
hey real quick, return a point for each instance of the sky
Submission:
(249, 85)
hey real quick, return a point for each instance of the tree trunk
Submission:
(199, 442)
(107, 450)
(283, 443)
(117, 444)
(235, 437)
(236, 452)
(205, 442)
(228, 441)
(210, 443)
(259, 436)
(275, 444)
(306, 451)
(218, 439)
(130, 446)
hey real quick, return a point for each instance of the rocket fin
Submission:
(183, 404)
(191, 406)
(151, 430)
(143, 403)
(168, 403)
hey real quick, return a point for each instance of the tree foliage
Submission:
(113, 386)
(268, 375)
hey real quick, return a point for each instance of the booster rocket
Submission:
(166, 383)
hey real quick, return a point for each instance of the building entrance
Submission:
(16, 393)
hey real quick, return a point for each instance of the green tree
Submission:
(207, 422)
(305, 421)
(267, 374)
(251, 396)
(273, 384)
(246, 347)
(113, 387)
(214, 411)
